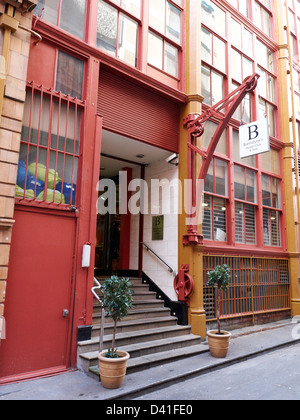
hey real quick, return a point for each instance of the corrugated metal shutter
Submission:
(135, 112)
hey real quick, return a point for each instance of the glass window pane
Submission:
(219, 49)
(171, 60)
(217, 81)
(157, 13)
(251, 186)
(127, 47)
(205, 85)
(247, 68)
(69, 75)
(239, 223)
(236, 33)
(133, 7)
(209, 180)
(250, 227)
(107, 24)
(214, 17)
(266, 190)
(270, 161)
(50, 13)
(219, 219)
(73, 22)
(209, 130)
(155, 50)
(276, 201)
(239, 183)
(220, 177)
(173, 29)
(236, 65)
(275, 227)
(266, 225)
(207, 217)
(206, 46)
(247, 42)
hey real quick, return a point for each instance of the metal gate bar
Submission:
(258, 285)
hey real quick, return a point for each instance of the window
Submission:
(262, 17)
(58, 13)
(240, 5)
(271, 214)
(215, 202)
(69, 75)
(245, 213)
(164, 36)
(49, 154)
(117, 34)
(266, 85)
(214, 17)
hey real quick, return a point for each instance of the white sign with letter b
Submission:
(254, 138)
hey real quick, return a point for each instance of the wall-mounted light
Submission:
(173, 159)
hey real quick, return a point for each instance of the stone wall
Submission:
(14, 46)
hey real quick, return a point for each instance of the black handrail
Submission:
(171, 270)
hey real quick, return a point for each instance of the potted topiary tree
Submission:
(218, 340)
(117, 300)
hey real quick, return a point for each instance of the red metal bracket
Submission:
(195, 126)
(184, 284)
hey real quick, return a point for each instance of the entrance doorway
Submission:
(119, 234)
(107, 253)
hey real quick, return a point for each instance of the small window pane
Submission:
(107, 22)
(173, 29)
(133, 7)
(207, 217)
(157, 13)
(251, 186)
(127, 48)
(206, 46)
(276, 202)
(217, 87)
(171, 60)
(50, 13)
(72, 17)
(275, 226)
(155, 50)
(219, 219)
(220, 177)
(209, 180)
(69, 75)
(214, 17)
(239, 183)
(219, 49)
(266, 190)
(205, 85)
(236, 65)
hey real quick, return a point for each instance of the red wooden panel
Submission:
(38, 290)
(138, 113)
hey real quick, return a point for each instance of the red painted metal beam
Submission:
(195, 126)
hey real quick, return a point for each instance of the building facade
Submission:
(108, 89)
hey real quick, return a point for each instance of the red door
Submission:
(39, 289)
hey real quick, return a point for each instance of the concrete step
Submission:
(136, 314)
(152, 351)
(134, 337)
(139, 364)
(135, 325)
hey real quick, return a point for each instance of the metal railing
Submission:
(170, 269)
(93, 290)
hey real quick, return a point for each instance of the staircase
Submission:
(149, 334)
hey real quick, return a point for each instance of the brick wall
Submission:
(12, 105)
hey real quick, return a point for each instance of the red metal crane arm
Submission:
(195, 125)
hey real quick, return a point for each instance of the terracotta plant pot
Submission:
(218, 343)
(112, 371)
